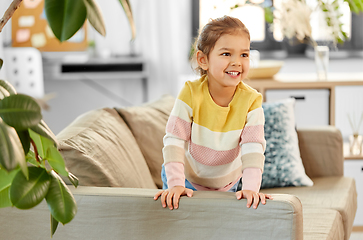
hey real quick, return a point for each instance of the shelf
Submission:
(348, 156)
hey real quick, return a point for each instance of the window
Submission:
(261, 36)
(251, 16)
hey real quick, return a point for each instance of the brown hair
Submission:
(212, 31)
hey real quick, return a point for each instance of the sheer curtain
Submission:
(164, 39)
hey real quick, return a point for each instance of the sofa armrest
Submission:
(116, 213)
(321, 151)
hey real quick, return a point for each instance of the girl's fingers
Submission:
(269, 196)
(249, 200)
(263, 198)
(158, 194)
(256, 200)
(189, 192)
(239, 195)
(169, 200)
(163, 198)
(176, 200)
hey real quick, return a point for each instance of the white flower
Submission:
(294, 19)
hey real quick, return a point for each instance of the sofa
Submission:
(116, 154)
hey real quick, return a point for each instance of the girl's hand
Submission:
(253, 197)
(171, 196)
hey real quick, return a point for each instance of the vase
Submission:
(322, 61)
(355, 144)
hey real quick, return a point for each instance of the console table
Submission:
(309, 81)
(98, 69)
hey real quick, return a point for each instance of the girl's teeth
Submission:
(233, 73)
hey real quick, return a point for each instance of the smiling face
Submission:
(228, 62)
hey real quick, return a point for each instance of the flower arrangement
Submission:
(293, 18)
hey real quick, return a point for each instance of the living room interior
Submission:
(117, 71)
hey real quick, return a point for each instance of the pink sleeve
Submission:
(175, 174)
(251, 179)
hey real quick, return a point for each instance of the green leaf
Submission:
(25, 194)
(56, 161)
(11, 150)
(5, 183)
(20, 111)
(128, 11)
(42, 143)
(53, 225)
(73, 179)
(269, 17)
(3, 93)
(4, 198)
(43, 130)
(95, 17)
(65, 17)
(60, 200)
(8, 87)
(25, 140)
(30, 158)
(353, 7)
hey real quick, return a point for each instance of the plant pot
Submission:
(294, 46)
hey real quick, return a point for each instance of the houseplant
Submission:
(30, 163)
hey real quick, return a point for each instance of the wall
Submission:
(163, 40)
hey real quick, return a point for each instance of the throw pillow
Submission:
(147, 123)
(283, 164)
(100, 150)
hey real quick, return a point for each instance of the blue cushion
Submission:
(283, 164)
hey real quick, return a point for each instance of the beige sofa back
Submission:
(120, 213)
(117, 147)
(99, 148)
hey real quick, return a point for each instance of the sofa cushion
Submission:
(147, 123)
(338, 193)
(101, 151)
(283, 164)
(322, 224)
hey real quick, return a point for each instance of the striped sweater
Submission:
(212, 146)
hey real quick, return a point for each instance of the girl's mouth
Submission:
(233, 74)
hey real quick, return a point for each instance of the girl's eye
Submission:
(226, 54)
(244, 55)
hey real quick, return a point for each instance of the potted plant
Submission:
(30, 164)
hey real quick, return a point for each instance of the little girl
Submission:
(215, 132)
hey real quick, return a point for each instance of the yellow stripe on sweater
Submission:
(196, 95)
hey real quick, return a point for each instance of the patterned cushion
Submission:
(283, 164)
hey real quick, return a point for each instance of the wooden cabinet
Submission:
(354, 168)
(308, 81)
(311, 105)
(348, 101)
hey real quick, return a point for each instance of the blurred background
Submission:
(91, 71)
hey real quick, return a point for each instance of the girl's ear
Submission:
(202, 60)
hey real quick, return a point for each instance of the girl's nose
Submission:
(236, 63)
